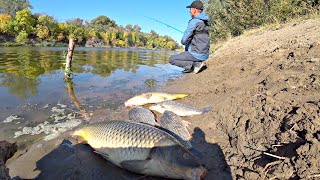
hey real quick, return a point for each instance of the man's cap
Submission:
(196, 4)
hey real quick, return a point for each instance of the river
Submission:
(33, 90)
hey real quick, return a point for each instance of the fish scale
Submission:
(115, 132)
(142, 148)
(139, 114)
(179, 108)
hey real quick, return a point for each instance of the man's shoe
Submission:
(187, 71)
(198, 66)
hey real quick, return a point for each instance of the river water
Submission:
(33, 90)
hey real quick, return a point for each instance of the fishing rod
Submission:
(164, 24)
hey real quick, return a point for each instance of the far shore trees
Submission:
(25, 26)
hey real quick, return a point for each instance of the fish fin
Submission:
(206, 110)
(104, 155)
(178, 96)
(137, 166)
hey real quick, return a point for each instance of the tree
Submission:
(24, 21)
(46, 26)
(171, 45)
(103, 23)
(43, 32)
(93, 33)
(77, 22)
(136, 28)
(154, 34)
(129, 27)
(106, 36)
(11, 7)
(5, 19)
(22, 37)
(62, 32)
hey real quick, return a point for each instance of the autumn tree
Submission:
(46, 26)
(42, 32)
(5, 19)
(11, 7)
(24, 21)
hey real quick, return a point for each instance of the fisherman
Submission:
(196, 40)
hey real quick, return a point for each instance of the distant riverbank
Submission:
(9, 41)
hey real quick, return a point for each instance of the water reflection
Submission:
(21, 86)
(24, 64)
(70, 89)
(32, 79)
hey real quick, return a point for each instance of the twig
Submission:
(277, 145)
(265, 153)
(275, 156)
(314, 175)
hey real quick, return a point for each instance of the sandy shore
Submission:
(265, 92)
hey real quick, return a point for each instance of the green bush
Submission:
(10, 44)
(22, 37)
(232, 17)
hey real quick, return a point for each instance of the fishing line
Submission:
(164, 24)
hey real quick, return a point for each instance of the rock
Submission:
(6, 151)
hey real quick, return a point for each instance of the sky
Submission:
(171, 12)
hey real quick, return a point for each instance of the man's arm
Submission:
(188, 32)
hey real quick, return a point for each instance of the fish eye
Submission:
(186, 156)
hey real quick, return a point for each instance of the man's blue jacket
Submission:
(196, 37)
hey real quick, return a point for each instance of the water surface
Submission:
(32, 83)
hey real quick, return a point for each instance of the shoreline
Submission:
(264, 90)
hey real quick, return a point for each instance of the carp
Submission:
(152, 97)
(142, 149)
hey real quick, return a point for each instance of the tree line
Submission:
(231, 18)
(17, 20)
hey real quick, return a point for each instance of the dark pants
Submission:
(184, 60)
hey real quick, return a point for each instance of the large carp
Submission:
(142, 148)
(152, 97)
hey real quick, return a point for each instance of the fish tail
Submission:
(178, 96)
(206, 110)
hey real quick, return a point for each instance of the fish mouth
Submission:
(126, 104)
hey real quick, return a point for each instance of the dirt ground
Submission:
(265, 124)
(265, 92)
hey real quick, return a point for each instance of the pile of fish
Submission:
(146, 146)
